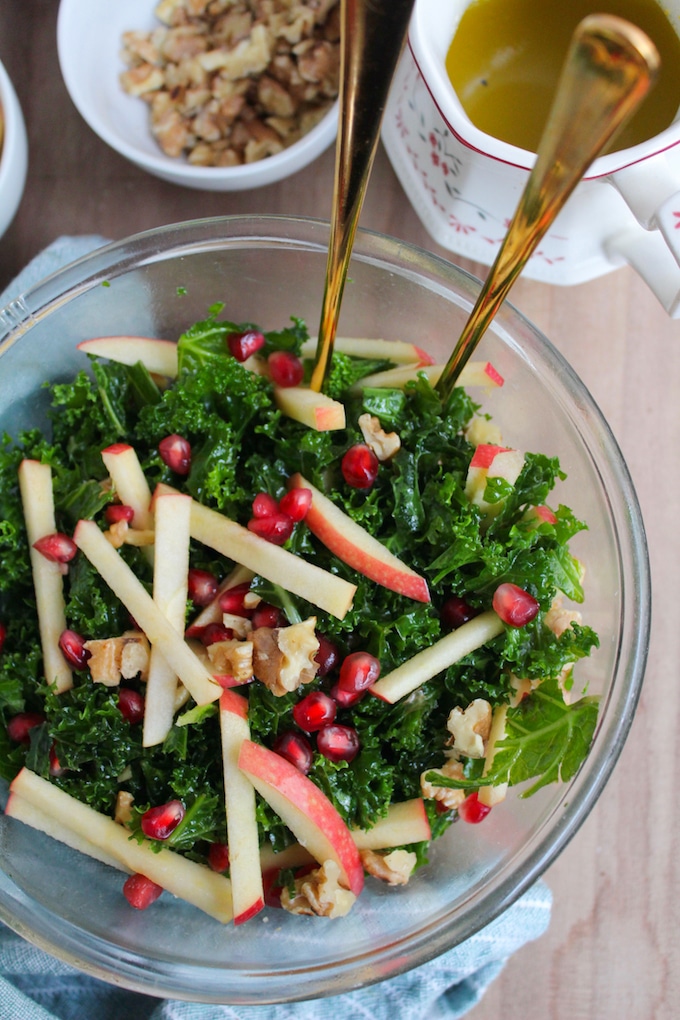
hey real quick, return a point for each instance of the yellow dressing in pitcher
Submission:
(506, 57)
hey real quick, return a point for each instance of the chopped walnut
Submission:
(123, 812)
(239, 625)
(558, 619)
(470, 728)
(394, 868)
(215, 71)
(232, 658)
(118, 658)
(120, 533)
(283, 657)
(447, 797)
(141, 79)
(320, 893)
(384, 444)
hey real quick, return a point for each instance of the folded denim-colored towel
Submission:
(35, 986)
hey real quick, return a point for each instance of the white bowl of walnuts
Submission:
(208, 94)
(13, 151)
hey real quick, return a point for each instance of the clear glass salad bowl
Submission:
(266, 269)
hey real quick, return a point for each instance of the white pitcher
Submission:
(465, 184)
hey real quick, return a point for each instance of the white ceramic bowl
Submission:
(89, 44)
(13, 153)
(266, 269)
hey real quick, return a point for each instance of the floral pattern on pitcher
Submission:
(436, 158)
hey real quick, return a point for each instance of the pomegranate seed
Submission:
(360, 466)
(131, 705)
(327, 655)
(455, 612)
(514, 605)
(358, 672)
(56, 769)
(296, 503)
(242, 345)
(175, 451)
(19, 726)
(345, 699)
(271, 886)
(159, 822)
(314, 711)
(276, 529)
(265, 615)
(58, 548)
(202, 586)
(119, 512)
(296, 749)
(73, 649)
(338, 743)
(472, 810)
(140, 891)
(215, 632)
(285, 368)
(3, 635)
(218, 857)
(231, 600)
(264, 505)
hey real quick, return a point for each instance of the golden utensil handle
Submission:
(609, 69)
(373, 33)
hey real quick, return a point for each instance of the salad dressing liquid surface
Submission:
(506, 56)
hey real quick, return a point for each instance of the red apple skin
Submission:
(116, 449)
(269, 770)
(494, 375)
(245, 857)
(423, 357)
(247, 914)
(230, 701)
(388, 572)
(485, 454)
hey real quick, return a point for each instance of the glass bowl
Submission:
(265, 270)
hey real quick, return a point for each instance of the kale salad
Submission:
(375, 635)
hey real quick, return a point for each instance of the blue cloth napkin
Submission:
(35, 986)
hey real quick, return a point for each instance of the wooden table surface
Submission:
(612, 951)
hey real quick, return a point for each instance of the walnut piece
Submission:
(230, 82)
(394, 868)
(447, 797)
(123, 812)
(384, 444)
(470, 728)
(232, 658)
(319, 893)
(283, 657)
(118, 658)
(120, 533)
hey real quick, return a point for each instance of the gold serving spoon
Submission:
(609, 69)
(372, 39)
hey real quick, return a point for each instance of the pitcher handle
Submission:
(651, 258)
(651, 190)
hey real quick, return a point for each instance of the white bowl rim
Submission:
(13, 151)
(250, 175)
